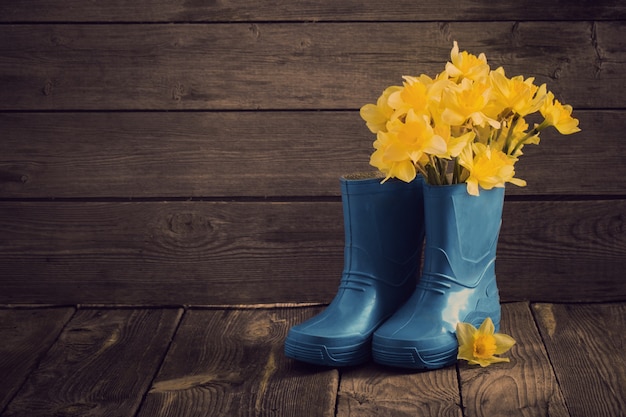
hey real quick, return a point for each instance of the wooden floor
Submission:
(224, 361)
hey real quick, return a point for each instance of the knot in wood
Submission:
(189, 223)
(178, 92)
(255, 31)
(47, 88)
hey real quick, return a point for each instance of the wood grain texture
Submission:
(203, 252)
(380, 391)
(228, 104)
(101, 365)
(526, 386)
(403, 10)
(171, 252)
(230, 363)
(180, 154)
(259, 154)
(289, 65)
(586, 347)
(562, 250)
(26, 335)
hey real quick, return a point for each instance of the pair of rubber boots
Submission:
(382, 311)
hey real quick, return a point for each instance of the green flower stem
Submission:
(456, 172)
(509, 135)
(422, 171)
(442, 166)
(433, 176)
(534, 132)
(495, 134)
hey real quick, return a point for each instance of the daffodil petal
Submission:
(518, 182)
(465, 333)
(487, 326)
(504, 342)
(472, 187)
(486, 362)
(436, 145)
(404, 171)
(466, 353)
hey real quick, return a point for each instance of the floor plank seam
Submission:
(267, 306)
(458, 381)
(38, 361)
(129, 306)
(339, 379)
(545, 347)
(158, 368)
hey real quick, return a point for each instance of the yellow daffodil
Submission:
(468, 119)
(466, 101)
(412, 96)
(559, 116)
(487, 168)
(377, 115)
(519, 95)
(479, 346)
(454, 144)
(382, 158)
(405, 145)
(416, 136)
(466, 65)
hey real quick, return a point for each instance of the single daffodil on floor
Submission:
(479, 346)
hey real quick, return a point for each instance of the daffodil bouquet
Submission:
(466, 125)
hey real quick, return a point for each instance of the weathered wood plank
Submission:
(101, 365)
(262, 252)
(230, 363)
(176, 252)
(379, 391)
(586, 347)
(526, 386)
(26, 335)
(563, 250)
(289, 66)
(403, 10)
(259, 154)
(180, 154)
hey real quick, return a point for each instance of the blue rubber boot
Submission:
(384, 231)
(458, 281)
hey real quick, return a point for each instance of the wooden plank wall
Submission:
(188, 152)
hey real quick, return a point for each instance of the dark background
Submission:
(188, 152)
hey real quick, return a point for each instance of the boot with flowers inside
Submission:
(463, 131)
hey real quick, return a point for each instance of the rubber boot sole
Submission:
(320, 354)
